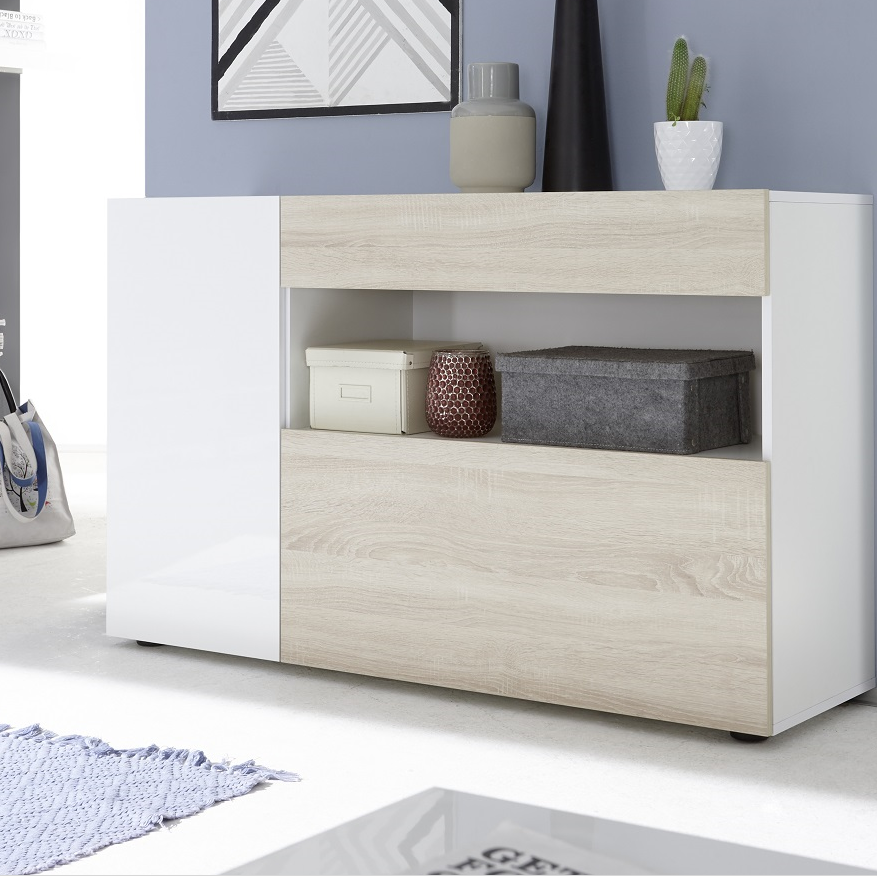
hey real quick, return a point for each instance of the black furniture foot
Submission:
(149, 644)
(748, 737)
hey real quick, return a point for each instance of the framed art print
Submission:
(288, 58)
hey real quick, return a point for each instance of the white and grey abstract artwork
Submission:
(282, 58)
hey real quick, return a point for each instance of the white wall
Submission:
(82, 142)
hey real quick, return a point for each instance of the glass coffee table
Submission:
(442, 831)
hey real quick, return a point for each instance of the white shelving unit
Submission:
(732, 589)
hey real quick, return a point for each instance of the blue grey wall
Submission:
(793, 81)
(188, 154)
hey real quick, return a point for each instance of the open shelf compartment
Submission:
(510, 321)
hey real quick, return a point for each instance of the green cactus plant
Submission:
(685, 87)
(696, 87)
(678, 80)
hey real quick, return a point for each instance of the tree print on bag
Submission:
(28, 497)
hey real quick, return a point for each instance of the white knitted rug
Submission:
(65, 797)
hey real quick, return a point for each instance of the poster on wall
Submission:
(289, 58)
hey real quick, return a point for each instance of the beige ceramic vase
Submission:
(493, 134)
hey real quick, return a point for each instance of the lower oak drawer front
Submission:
(625, 582)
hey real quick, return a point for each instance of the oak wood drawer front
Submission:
(671, 243)
(624, 582)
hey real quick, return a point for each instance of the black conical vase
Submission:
(576, 132)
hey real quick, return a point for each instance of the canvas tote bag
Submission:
(34, 508)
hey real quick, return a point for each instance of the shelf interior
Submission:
(511, 321)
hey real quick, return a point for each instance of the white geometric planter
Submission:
(688, 153)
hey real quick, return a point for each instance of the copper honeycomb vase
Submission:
(461, 393)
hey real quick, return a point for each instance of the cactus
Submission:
(696, 86)
(685, 89)
(678, 80)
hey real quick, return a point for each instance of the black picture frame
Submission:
(220, 64)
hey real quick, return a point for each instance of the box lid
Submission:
(623, 362)
(398, 354)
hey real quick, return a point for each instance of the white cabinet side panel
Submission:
(818, 354)
(194, 417)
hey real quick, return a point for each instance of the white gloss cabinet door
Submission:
(194, 423)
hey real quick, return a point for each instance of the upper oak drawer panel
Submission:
(666, 243)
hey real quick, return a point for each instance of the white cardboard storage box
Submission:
(372, 386)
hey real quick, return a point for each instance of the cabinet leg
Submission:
(748, 737)
(149, 644)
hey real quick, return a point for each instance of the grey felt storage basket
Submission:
(657, 401)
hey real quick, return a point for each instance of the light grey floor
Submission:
(363, 743)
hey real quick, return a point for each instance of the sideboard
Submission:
(732, 589)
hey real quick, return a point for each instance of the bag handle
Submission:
(7, 392)
(42, 476)
(39, 446)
